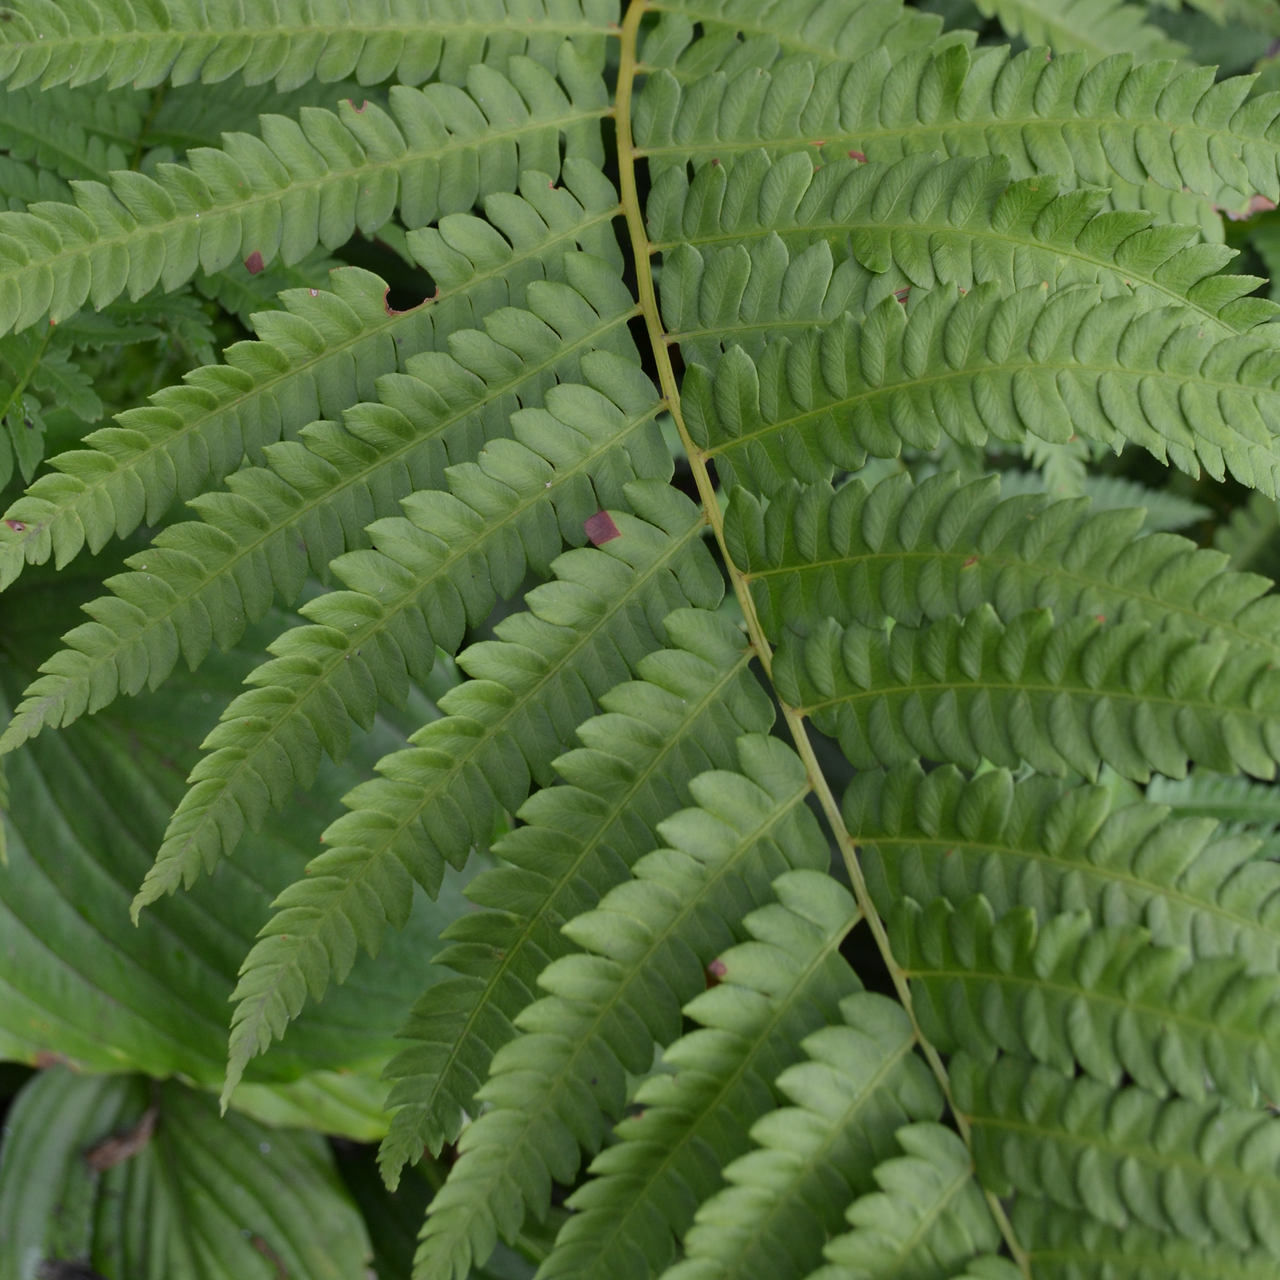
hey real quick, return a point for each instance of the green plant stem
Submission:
(642, 251)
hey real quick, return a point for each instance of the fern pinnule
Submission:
(913, 552)
(314, 361)
(1064, 695)
(1061, 1243)
(288, 41)
(1048, 115)
(1206, 1171)
(1238, 803)
(681, 716)
(763, 33)
(974, 366)
(916, 223)
(1065, 993)
(1040, 844)
(861, 1083)
(1098, 28)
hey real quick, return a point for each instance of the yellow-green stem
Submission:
(642, 251)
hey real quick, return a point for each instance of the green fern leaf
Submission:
(1064, 993)
(1038, 844)
(1098, 28)
(78, 982)
(1062, 1244)
(916, 223)
(72, 133)
(783, 979)
(1207, 1172)
(861, 1084)
(316, 360)
(912, 553)
(1235, 802)
(681, 717)
(648, 943)
(760, 33)
(582, 634)
(314, 181)
(974, 366)
(1048, 115)
(288, 41)
(271, 737)
(929, 1218)
(205, 581)
(1064, 695)
(1250, 534)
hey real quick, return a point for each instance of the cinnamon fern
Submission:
(660, 610)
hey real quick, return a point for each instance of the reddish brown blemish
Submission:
(253, 263)
(901, 294)
(600, 528)
(970, 562)
(858, 155)
(1099, 617)
(717, 970)
(17, 526)
(715, 160)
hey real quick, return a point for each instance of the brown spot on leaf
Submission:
(860, 156)
(120, 1147)
(600, 528)
(17, 526)
(253, 263)
(262, 1247)
(717, 970)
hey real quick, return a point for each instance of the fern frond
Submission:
(23, 184)
(205, 581)
(605, 611)
(243, 294)
(913, 553)
(782, 981)
(1235, 802)
(552, 1089)
(682, 716)
(918, 222)
(1208, 1172)
(1066, 1245)
(1062, 694)
(288, 41)
(438, 151)
(317, 359)
(1063, 993)
(1057, 115)
(582, 634)
(860, 1085)
(1098, 28)
(1055, 849)
(929, 1218)
(977, 365)
(760, 34)
(73, 134)
(1249, 535)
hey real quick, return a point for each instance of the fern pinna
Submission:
(657, 611)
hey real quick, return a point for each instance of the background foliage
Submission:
(639, 643)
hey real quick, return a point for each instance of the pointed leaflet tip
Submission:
(253, 263)
(601, 529)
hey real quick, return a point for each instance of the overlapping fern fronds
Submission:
(616, 507)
